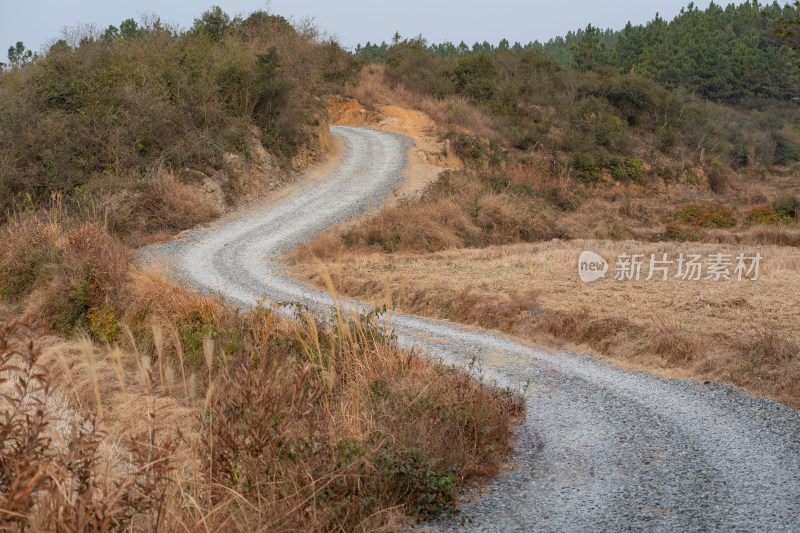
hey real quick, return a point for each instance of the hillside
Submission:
(116, 119)
(727, 54)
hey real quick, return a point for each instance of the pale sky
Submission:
(351, 21)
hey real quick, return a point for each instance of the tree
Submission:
(788, 27)
(589, 53)
(128, 29)
(476, 76)
(213, 23)
(111, 33)
(18, 55)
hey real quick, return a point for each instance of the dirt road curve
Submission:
(601, 448)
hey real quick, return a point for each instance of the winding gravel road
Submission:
(601, 448)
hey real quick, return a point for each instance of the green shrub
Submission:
(192, 332)
(738, 156)
(408, 471)
(627, 170)
(785, 151)
(585, 168)
(466, 146)
(103, 323)
(788, 206)
(596, 118)
(706, 215)
(476, 77)
(70, 311)
(767, 214)
(143, 97)
(668, 139)
(674, 232)
(410, 63)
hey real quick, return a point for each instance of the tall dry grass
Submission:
(313, 423)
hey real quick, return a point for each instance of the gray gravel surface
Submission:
(600, 449)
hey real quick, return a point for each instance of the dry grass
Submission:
(276, 424)
(737, 332)
(168, 410)
(167, 206)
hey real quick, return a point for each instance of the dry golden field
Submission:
(742, 332)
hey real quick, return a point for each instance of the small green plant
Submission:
(466, 147)
(192, 332)
(408, 471)
(739, 156)
(788, 206)
(628, 170)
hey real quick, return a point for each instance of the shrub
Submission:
(668, 139)
(706, 215)
(476, 77)
(785, 151)
(627, 170)
(586, 169)
(767, 214)
(466, 146)
(70, 311)
(738, 156)
(409, 63)
(717, 177)
(273, 430)
(674, 232)
(46, 487)
(787, 205)
(81, 120)
(104, 324)
(593, 116)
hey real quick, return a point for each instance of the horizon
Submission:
(354, 24)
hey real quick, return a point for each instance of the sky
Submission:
(37, 22)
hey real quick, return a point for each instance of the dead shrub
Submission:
(768, 349)
(44, 488)
(167, 205)
(672, 345)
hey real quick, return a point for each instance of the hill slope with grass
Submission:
(113, 120)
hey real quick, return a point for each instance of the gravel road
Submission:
(601, 448)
